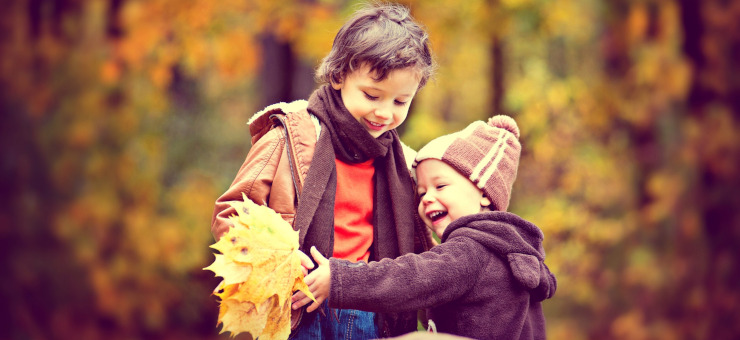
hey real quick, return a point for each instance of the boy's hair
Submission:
(384, 36)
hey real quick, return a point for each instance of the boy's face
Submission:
(446, 195)
(379, 105)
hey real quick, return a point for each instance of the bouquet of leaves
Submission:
(261, 268)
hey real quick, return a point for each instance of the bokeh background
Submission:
(123, 120)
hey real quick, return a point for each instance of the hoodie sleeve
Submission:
(409, 282)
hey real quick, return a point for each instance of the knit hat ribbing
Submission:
(487, 154)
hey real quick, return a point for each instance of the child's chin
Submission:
(440, 229)
(376, 134)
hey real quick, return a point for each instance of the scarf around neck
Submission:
(343, 137)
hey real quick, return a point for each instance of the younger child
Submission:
(334, 166)
(487, 278)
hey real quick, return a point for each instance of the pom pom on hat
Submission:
(486, 153)
(504, 122)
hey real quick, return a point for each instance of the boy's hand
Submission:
(319, 283)
(306, 262)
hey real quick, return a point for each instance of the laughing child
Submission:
(487, 279)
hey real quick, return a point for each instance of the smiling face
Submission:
(379, 105)
(446, 195)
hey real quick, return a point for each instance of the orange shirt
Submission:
(353, 211)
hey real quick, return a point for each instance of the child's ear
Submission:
(485, 202)
(336, 86)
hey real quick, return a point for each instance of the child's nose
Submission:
(383, 113)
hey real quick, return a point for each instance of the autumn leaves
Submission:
(261, 268)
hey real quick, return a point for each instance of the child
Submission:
(334, 166)
(487, 278)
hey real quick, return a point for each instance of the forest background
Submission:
(123, 121)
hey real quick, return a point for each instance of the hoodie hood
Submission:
(513, 239)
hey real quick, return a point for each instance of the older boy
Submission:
(335, 168)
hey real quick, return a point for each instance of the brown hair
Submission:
(385, 37)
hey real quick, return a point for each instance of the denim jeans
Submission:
(336, 324)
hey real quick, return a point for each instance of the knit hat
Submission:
(487, 154)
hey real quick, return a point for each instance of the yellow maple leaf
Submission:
(245, 316)
(261, 268)
(274, 328)
(231, 271)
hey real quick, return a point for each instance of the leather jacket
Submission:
(267, 175)
(273, 174)
(284, 138)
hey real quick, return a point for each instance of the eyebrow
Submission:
(381, 90)
(435, 178)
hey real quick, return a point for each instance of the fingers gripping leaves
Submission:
(260, 265)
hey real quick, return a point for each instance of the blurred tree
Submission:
(712, 43)
(283, 76)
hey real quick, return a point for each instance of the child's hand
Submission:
(319, 282)
(306, 262)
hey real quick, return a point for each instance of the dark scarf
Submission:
(394, 204)
(343, 137)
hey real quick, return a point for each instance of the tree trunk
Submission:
(497, 75)
(283, 77)
(711, 26)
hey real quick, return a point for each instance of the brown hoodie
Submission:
(485, 281)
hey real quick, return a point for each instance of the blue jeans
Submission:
(336, 324)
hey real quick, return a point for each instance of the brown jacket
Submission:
(273, 174)
(267, 175)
